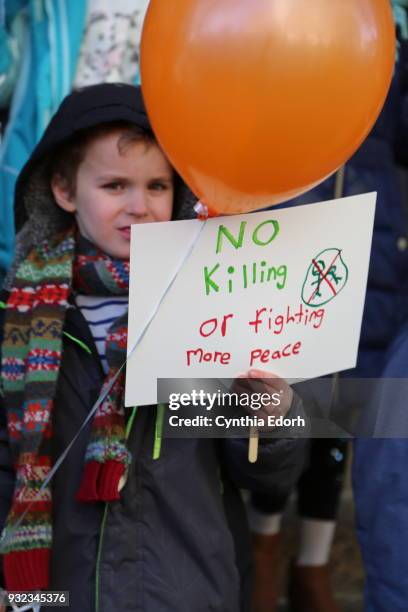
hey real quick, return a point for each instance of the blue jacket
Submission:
(381, 452)
(49, 33)
(381, 485)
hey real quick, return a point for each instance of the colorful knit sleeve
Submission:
(6, 468)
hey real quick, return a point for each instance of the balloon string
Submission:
(339, 183)
(8, 532)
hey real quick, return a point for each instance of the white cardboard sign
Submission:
(279, 290)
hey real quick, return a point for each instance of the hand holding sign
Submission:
(264, 384)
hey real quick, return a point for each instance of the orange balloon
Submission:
(256, 101)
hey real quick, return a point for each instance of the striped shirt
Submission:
(100, 313)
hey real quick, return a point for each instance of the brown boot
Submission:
(267, 562)
(310, 589)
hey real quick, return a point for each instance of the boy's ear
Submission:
(62, 193)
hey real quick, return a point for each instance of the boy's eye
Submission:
(159, 186)
(114, 186)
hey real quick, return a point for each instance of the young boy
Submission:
(118, 527)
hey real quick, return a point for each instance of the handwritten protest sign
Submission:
(279, 290)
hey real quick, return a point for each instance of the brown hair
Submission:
(68, 157)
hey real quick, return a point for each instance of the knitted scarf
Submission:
(31, 359)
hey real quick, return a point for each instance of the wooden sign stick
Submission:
(253, 444)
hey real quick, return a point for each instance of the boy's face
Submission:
(115, 189)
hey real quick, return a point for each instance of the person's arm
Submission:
(399, 87)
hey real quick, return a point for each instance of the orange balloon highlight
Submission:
(257, 101)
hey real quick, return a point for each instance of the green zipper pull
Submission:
(158, 431)
(130, 422)
(79, 342)
(3, 305)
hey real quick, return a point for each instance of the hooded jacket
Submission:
(177, 538)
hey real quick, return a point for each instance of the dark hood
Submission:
(37, 217)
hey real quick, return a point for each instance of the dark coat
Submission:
(177, 540)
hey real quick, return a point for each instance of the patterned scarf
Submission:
(31, 359)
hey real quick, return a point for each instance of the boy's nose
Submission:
(136, 204)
